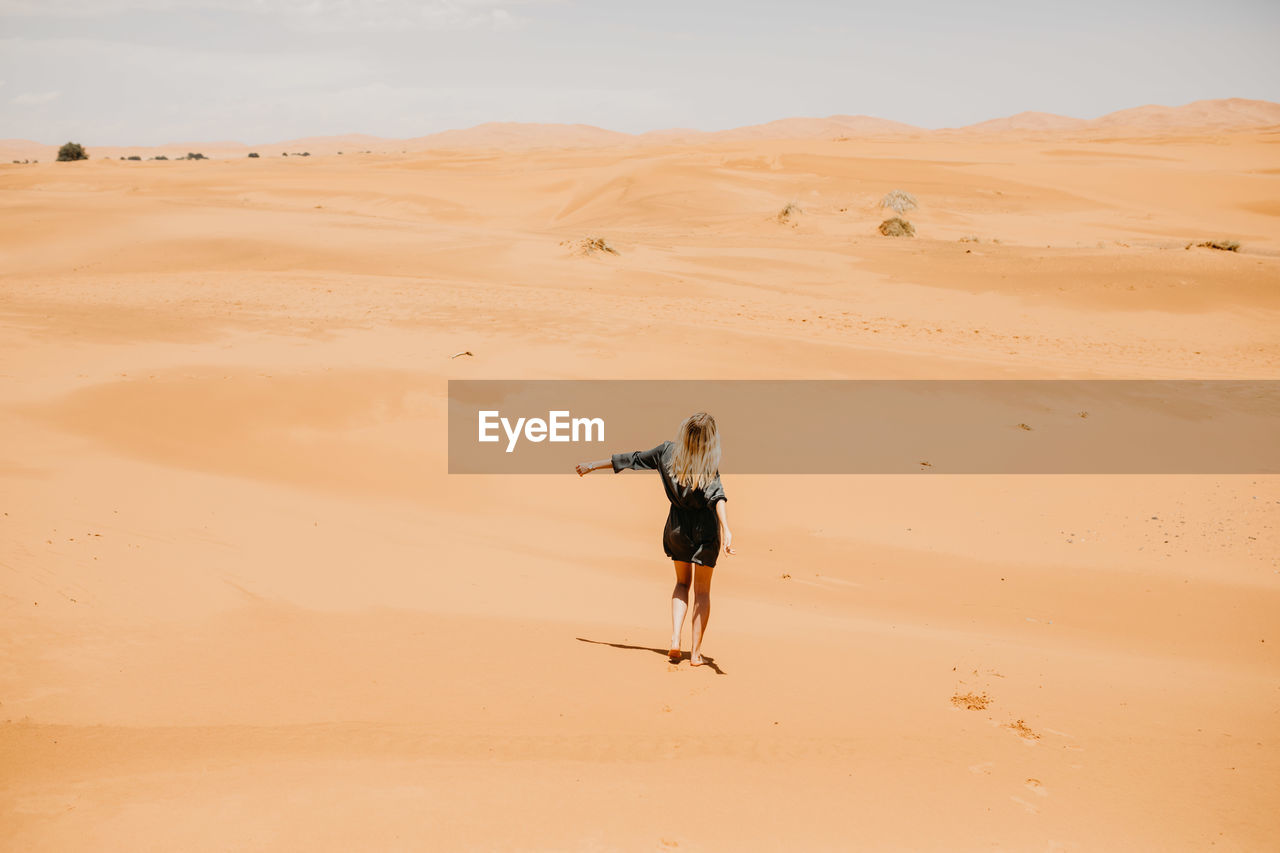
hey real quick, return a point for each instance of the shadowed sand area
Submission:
(245, 607)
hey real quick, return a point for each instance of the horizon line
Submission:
(905, 127)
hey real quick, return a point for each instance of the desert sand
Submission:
(244, 607)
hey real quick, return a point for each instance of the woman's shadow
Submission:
(707, 661)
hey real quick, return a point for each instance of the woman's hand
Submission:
(722, 515)
(588, 467)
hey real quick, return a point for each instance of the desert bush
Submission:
(597, 244)
(195, 155)
(135, 157)
(591, 245)
(1221, 245)
(897, 227)
(899, 201)
(72, 151)
(789, 212)
(159, 157)
(253, 154)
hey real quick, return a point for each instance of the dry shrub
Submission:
(897, 227)
(789, 212)
(1220, 245)
(590, 246)
(899, 201)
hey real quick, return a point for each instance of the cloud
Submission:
(27, 99)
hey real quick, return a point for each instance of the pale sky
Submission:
(143, 72)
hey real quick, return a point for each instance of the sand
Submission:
(244, 607)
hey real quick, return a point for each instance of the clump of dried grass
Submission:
(897, 227)
(1220, 245)
(590, 246)
(899, 201)
(789, 213)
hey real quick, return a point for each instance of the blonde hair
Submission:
(696, 462)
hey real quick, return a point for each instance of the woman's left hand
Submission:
(728, 543)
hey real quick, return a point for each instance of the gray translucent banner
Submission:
(877, 426)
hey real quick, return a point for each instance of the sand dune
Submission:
(816, 128)
(1029, 121)
(246, 608)
(1197, 118)
(1231, 113)
(521, 135)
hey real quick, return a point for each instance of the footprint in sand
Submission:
(1036, 787)
(1030, 809)
(982, 769)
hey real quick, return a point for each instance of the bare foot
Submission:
(674, 655)
(695, 659)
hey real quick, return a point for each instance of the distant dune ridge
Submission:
(1033, 121)
(1211, 116)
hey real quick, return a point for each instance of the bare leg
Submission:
(701, 610)
(679, 604)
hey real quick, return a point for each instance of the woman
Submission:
(697, 522)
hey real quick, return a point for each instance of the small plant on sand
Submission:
(195, 155)
(789, 213)
(134, 157)
(72, 151)
(899, 201)
(1022, 729)
(971, 701)
(159, 157)
(253, 154)
(1220, 245)
(897, 227)
(590, 245)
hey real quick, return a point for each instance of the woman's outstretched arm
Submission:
(726, 536)
(638, 460)
(588, 467)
